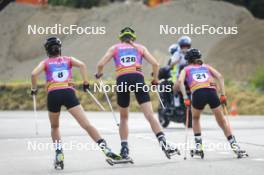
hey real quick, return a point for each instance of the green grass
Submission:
(16, 96)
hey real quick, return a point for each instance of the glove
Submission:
(187, 102)
(86, 87)
(223, 99)
(154, 82)
(34, 91)
(97, 76)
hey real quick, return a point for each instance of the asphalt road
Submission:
(23, 152)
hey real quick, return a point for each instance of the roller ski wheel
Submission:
(58, 163)
(171, 152)
(199, 153)
(113, 162)
(241, 154)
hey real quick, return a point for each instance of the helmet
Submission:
(127, 32)
(53, 45)
(173, 48)
(193, 54)
(184, 41)
(164, 73)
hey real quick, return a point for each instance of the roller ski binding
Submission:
(198, 151)
(168, 149)
(240, 153)
(59, 160)
(112, 158)
(124, 157)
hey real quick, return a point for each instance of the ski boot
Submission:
(237, 150)
(168, 149)
(198, 151)
(124, 153)
(59, 158)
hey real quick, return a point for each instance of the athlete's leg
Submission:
(123, 131)
(196, 113)
(221, 120)
(123, 128)
(78, 113)
(55, 132)
(147, 109)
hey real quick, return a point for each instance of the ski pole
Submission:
(109, 103)
(186, 132)
(160, 98)
(96, 101)
(35, 113)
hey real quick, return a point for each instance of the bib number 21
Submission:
(200, 77)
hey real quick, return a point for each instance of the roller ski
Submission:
(168, 149)
(59, 160)
(240, 153)
(124, 157)
(197, 152)
(112, 158)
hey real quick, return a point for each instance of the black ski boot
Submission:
(124, 152)
(167, 148)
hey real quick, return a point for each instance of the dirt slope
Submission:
(20, 51)
(238, 56)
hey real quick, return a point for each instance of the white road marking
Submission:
(258, 159)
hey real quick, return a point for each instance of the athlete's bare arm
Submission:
(34, 75)
(181, 82)
(152, 60)
(83, 69)
(218, 76)
(104, 60)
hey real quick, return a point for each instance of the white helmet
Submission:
(184, 41)
(173, 48)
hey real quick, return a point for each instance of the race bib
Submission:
(200, 77)
(128, 60)
(60, 76)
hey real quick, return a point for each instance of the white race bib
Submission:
(128, 60)
(60, 76)
(200, 77)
